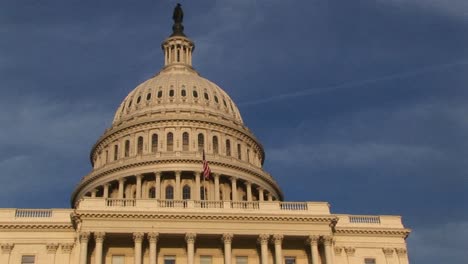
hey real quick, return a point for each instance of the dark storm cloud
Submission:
(359, 103)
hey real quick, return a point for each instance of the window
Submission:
(228, 147)
(148, 96)
(241, 260)
(159, 94)
(201, 142)
(28, 259)
(206, 96)
(195, 93)
(215, 145)
(116, 152)
(127, 148)
(185, 141)
(224, 102)
(289, 260)
(205, 260)
(248, 155)
(170, 141)
(216, 99)
(169, 259)
(202, 193)
(183, 93)
(239, 151)
(171, 93)
(369, 261)
(130, 104)
(186, 192)
(169, 192)
(154, 143)
(140, 146)
(152, 192)
(138, 99)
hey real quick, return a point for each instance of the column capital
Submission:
(138, 237)
(139, 175)
(67, 247)
(388, 251)
(84, 236)
(7, 247)
(52, 248)
(178, 173)
(313, 239)
(122, 180)
(190, 238)
(327, 240)
(338, 250)
(259, 188)
(153, 237)
(99, 236)
(107, 184)
(216, 175)
(350, 251)
(227, 238)
(263, 239)
(233, 178)
(400, 251)
(157, 173)
(247, 183)
(277, 239)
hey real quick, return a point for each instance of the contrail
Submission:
(307, 92)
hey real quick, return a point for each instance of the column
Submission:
(157, 185)
(263, 240)
(153, 240)
(388, 252)
(106, 190)
(190, 239)
(6, 249)
(52, 249)
(227, 239)
(197, 185)
(278, 240)
(402, 256)
(270, 197)
(138, 186)
(349, 253)
(84, 237)
(313, 242)
(177, 185)
(216, 188)
(93, 193)
(328, 242)
(67, 249)
(99, 239)
(137, 238)
(261, 197)
(121, 187)
(234, 188)
(249, 191)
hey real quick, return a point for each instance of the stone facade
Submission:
(146, 200)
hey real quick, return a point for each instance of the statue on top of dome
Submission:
(178, 17)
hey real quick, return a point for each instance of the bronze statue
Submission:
(178, 15)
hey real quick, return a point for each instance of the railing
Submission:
(209, 204)
(293, 206)
(245, 205)
(364, 219)
(33, 213)
(121, 202)
(172, 203)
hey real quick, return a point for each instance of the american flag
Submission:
(206, 168)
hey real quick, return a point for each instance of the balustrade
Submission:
(364, 219)
(33, 213)
(293, 206)
(121, 202)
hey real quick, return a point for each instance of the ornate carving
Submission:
(327, 240)
(84, 236)
(227, 238)
(313, 240)
(67, 247)
(99, 236)
(153, 237)
(338, 250)
(400, 251)
(350, 251)
(388, 251)
(7, 248)
(52, 248)
(277, 239)
(138, 237)
(263, 239)
(190, 238)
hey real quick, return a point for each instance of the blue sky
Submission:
(359, 103)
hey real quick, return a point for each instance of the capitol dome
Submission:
(162, 130)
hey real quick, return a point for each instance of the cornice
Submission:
(36, 227)
(404, 232)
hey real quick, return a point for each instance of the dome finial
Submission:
(178, 17)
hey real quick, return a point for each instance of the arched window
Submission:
(127, 148)
(201, 142)
(169, 192)
(248, 155)
(152, 193)
(159, 94)
(228, 147)
(206, 96)
(171, 93)
(203, 193)
(215, 145)
(154, 143)
(185, 141)
(183, 93)
(116, 152)
(140, 146)
(148, 96)
(239, 151)
(170, 141)
(186, 192)
(195, 93)
(139, 99)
